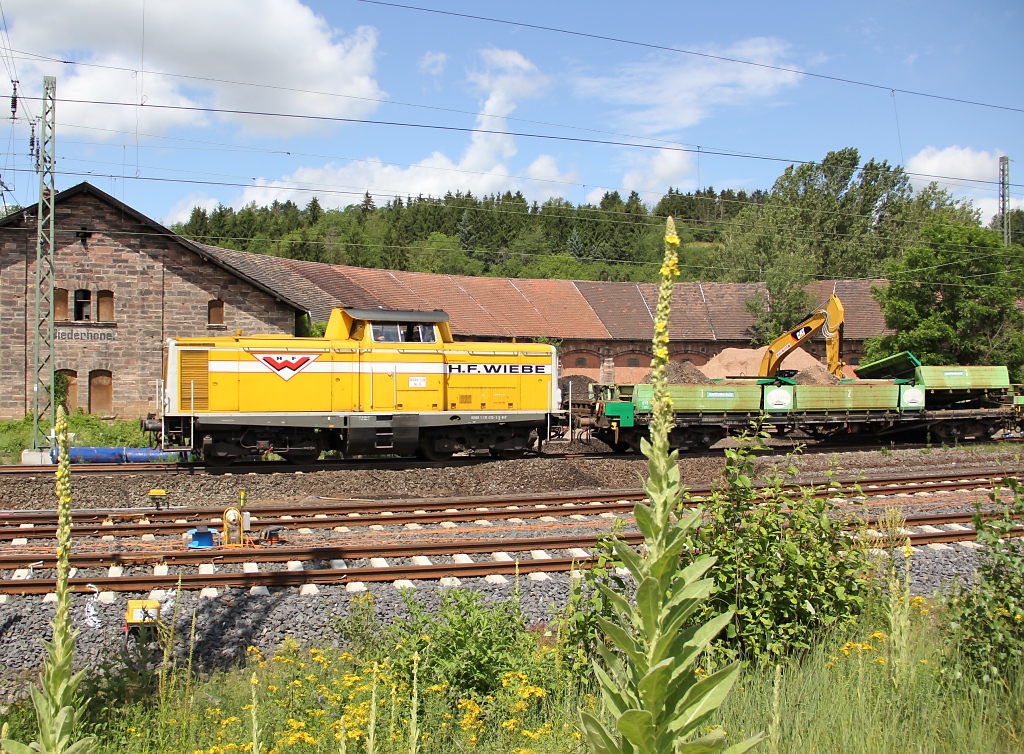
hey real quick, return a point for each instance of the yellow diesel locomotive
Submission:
(379, 382)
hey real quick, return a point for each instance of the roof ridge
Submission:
(707, 311)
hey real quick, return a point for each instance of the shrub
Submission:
(986, 622)
(467, 646)
(787, 566)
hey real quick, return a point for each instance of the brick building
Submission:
(604, 328)
(125, 284)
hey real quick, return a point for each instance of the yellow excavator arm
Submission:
(829, 319)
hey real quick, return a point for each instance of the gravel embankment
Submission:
(494, 478)
(228, 624)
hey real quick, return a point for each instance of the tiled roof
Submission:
(566, 309)
(278, 275)
(506, 305)
(622, 308)
(727, 308)
(864, 317)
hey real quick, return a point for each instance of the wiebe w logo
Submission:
(286, 365)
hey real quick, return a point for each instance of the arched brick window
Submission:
(101, 392)
(60, 304)
(105, 306)
(71, 402)
(83, 305)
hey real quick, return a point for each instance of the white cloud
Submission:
(945, 166)
(181, 211)
(953, 162)
(656, 171)
(505, 77)
(280, 43)
(432, 63)
(669, 92)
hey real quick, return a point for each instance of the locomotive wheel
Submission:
(218, 461)
(508, 454)
(427, 452)
(302, 457)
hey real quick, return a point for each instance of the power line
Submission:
(467, 129)
(694, 53)
(649, 221)
(594, 259)
(296, 90)
(313, 188)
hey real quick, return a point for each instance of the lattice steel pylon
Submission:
(43, 402)
(1004, 197)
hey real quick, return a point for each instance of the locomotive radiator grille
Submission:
(195, 376)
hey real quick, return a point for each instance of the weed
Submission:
(986, 622)
(787, 567)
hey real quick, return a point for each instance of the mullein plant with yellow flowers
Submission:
(654, 699)
(56, 702)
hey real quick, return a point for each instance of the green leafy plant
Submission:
(577, 629)
(787, 566)
(57, 706)
(466, 643)
(654, 697)
(986, 622)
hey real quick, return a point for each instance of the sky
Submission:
(157, 101)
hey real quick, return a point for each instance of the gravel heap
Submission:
(682, 373)
(580, 387)
(816, 374)
(746, 362)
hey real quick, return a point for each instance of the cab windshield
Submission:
(403, 332)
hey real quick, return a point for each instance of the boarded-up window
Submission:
(101, 393)
(215, 312)
(83, 305)
(105, 306)
(60, 304)
(71, 400)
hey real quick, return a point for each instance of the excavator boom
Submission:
(828, 318)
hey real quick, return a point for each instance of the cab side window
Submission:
(386, 332)
(416, 333)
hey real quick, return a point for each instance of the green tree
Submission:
(783, 301)
(952, 299)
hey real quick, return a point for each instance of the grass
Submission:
(16, 436)
(837, 697)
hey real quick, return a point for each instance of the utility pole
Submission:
(1004, 197)
(43, 400)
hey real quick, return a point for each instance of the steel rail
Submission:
(372, 574)
(355, 464)
(395, 549)
(96, 516)
(294, 578)
(280, 554)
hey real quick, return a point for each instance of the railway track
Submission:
(419, 567)
(18, 527)
(354, 464)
